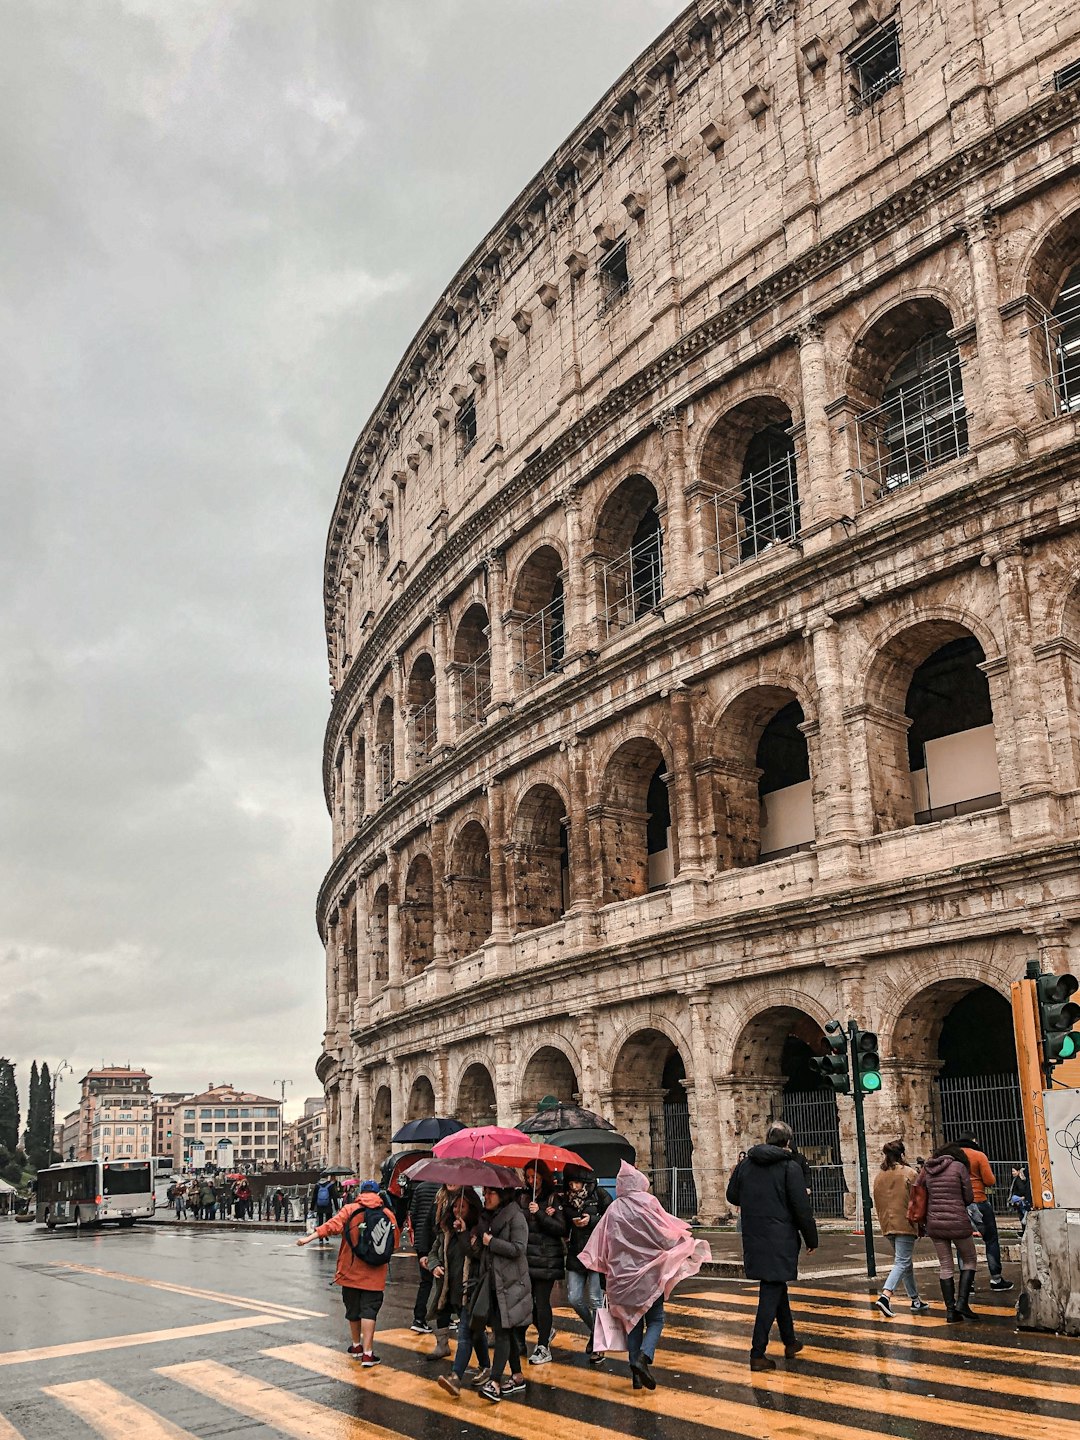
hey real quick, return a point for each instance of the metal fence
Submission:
(922, 425)
(539, 643)
(815, 1123)
(632, 584)
(384, 772)
(988, 1107)
(673, 1183)
(424, 731)
(474, 691)
(761, 513)
(1059, 343)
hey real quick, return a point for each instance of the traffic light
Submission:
(833, 1065)
(867, 1062)
(1057, 1015)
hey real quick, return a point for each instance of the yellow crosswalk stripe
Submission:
(938, 1341)
(292, 1415)
(142, 1337)
(521, 1423)
(8, 1431)
(889, 1366)
(114, 1416)
(221, 1297)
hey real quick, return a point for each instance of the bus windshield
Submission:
(133, 1178)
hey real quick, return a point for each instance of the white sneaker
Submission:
(540, 1356)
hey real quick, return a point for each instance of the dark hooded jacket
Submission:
(546, 1255)
(769, 1189)
(589, 1205)
(422, 1197)
(506, 1258)
(948, 1194)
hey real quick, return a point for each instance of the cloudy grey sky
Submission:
(223, 222)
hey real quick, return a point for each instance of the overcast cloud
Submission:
(223, 222)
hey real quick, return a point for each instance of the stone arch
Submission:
(628, 543)
(379, 936)
(1051, 255)
(420, 700)
(540, 858)
(384, 749)
(762, 800)
(651, 1108)
(468, 886)
(538, 615)
(937, 657)
(476, 1095)
(635, 820)
(471, 666)
(381, 1124)
(748, 472)
(417, 916)
(421, 1099)
(549, 1070)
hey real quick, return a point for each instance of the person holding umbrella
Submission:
(548, 1228)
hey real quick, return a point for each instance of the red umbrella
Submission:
(477, 1141)
(464, 1170)
(554, 1157)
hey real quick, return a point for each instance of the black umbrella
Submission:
(552, 1119)
(603, 1149)
(426, 1130)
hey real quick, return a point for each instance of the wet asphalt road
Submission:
(211, 1334)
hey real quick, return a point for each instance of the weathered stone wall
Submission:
(786, 250)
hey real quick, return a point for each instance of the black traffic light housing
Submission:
(1058, 1013)
(833, 1065)
(867, 1061)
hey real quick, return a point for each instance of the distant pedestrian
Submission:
(420, 1218)
(643, 1253)
(244, 1206)
(369, 1235)
(585, 1203)
(548, 1228)
(892, 1195)
(777, 1219)
(280, 1205)
(206, 1200)
(1020, 1195)
(321, 1202)
(948, 1194)
(178, 1195)
(983, 1179)
(504, 1240)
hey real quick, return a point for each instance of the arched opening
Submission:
(629, 545)
(421, 1099)
(357, 799)
(538, 620)
(540, 869)
(472, 668)
(354, 1138)
(958, 1034)
(907, 375)
(381, 1125)
(749, 483)
(787, 808)
(1065, 343)
(417, 913)
(952, 750)
(351, 956)
(549, 1072)
(776, 1082)
(651, 1109)
(384, 750)
(469, 891)
(635, 822)
(420, 696)
(1053, 283)
(379, 933)
(761, 788)
(476, 1097)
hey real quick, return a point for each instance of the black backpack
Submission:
(374, 1243)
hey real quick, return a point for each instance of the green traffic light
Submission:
(871, 1080)
(1068, 1047)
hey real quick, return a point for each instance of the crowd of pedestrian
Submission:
(211, 1197)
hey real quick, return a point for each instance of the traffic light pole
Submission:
(860, 1140)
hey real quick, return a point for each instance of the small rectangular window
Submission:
(382, 543)
(1067, 76)
(465, 425)
(614, 275)
(874, 65)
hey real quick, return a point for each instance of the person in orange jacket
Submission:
(369, 1235)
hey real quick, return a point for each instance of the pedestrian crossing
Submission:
(859, 1377)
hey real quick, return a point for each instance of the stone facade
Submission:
(703, 597)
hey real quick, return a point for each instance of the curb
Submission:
(292, 1227)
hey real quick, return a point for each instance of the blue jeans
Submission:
(467, 1341)
(583, 1295)
(903, 1247)
(990, 1238)
(645, 1336)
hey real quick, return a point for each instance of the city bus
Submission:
(89, 1192)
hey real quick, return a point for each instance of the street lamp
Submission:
(281, 1125)
(55, 1079)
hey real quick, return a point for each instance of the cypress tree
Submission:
(30, 1135)
(47, 1117)
(9, 1106)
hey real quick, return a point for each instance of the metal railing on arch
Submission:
(539, 642)
(923, 425)
(632, 584)
(423, 732)
(988, 1107)
(761, 512)
(1057, 334)
(474, 691)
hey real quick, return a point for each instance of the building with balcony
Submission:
(115, 1115)
(703, 607)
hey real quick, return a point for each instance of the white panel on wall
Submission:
(787, 818)
(961, 767)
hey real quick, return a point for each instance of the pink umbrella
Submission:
(476, 1142)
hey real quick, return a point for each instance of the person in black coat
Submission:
(548, 1229)
(422, 1226)
(769, 1190)
(585, 1202)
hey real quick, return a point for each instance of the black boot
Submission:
(948, 1294)
(963, 1294)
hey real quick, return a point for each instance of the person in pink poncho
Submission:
(644, 1252)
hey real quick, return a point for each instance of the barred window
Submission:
(465, 426)
(614, 275)
(1066, 341)
(874, 65)
(925, 423)
(1067, 76)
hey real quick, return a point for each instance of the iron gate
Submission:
(987, 1106)
(669, 1137)
(814, 1121)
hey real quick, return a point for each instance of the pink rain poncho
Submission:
(641, 1249)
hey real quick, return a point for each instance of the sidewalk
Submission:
(296, 1227)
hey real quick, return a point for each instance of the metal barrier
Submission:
(761, 513)
(632, 584)
(987, 1106)
(539, 643)
(474, 691)
(923, 425)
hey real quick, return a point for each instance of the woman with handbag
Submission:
(504, 1236)
(456, 1214)
(892, 1197)
(475, 1312)
(947, 1178)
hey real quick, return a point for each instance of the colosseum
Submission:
(703, 607)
